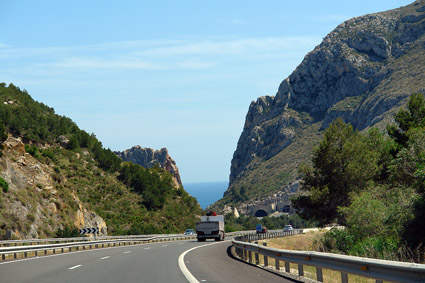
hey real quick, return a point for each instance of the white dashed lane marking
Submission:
(127, 252)
(105, 257)
(75, 266)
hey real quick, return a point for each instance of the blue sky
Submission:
(174, 74)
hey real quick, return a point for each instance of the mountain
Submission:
(363, 71)
(56, 178)
(148, 158)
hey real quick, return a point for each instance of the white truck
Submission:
(210, 227)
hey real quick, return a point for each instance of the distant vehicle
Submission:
(189, 232)
(288, 228)
(260, 229)
(210, 227)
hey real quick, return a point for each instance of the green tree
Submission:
(406, 119)
(345, 162)
(3, 132)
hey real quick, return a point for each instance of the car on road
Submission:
(189, 232)
(260, 229)
(288, 228)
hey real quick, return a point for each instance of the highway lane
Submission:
(214, 263)
(154, 262)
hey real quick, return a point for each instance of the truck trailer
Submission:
(210, 227)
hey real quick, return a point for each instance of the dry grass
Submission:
(306, 242)
(301, 242)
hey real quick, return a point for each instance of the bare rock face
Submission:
(88, 219)
(148, 158)
(361, 72)
(33, 201)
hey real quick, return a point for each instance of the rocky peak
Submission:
(148, 157)
(361, 72)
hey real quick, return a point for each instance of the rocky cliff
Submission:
(35, 206)
(148, 158)
(363, 71)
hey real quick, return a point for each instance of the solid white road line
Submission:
(183, 267)
(75, 266)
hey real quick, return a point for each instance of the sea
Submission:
(206, 193)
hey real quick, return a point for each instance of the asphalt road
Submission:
(155, 262)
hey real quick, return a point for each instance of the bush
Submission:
(376, 247)
(337, 240)
(33, 150)
(67, 232)
(4, 185)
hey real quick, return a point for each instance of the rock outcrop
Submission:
(33, 201)
(363, 71)
(148, 158)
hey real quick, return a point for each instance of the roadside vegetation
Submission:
(244, 223)
(131, 199)
(374, 184)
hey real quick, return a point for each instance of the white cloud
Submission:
(83, 62)
(231, 47)
(187, 54)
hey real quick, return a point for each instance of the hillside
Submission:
(57, 178)
(363, 71)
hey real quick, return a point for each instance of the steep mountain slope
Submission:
(56, 178)
(363, 71)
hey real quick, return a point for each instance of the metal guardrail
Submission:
(9, 243)
(29, 242)
(32, 247)
(37, 250)
(379, 270)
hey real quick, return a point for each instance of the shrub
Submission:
(67, 232)
(4, 185)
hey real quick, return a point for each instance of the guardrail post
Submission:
(344, 277)
(257, 259)
(300, 270)
(25, 254)
(245, 256)
(287, 267)
(250, 256)
(378, 281)
(277, 264)
(266, 259)
(3, 257)
(319, 274)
